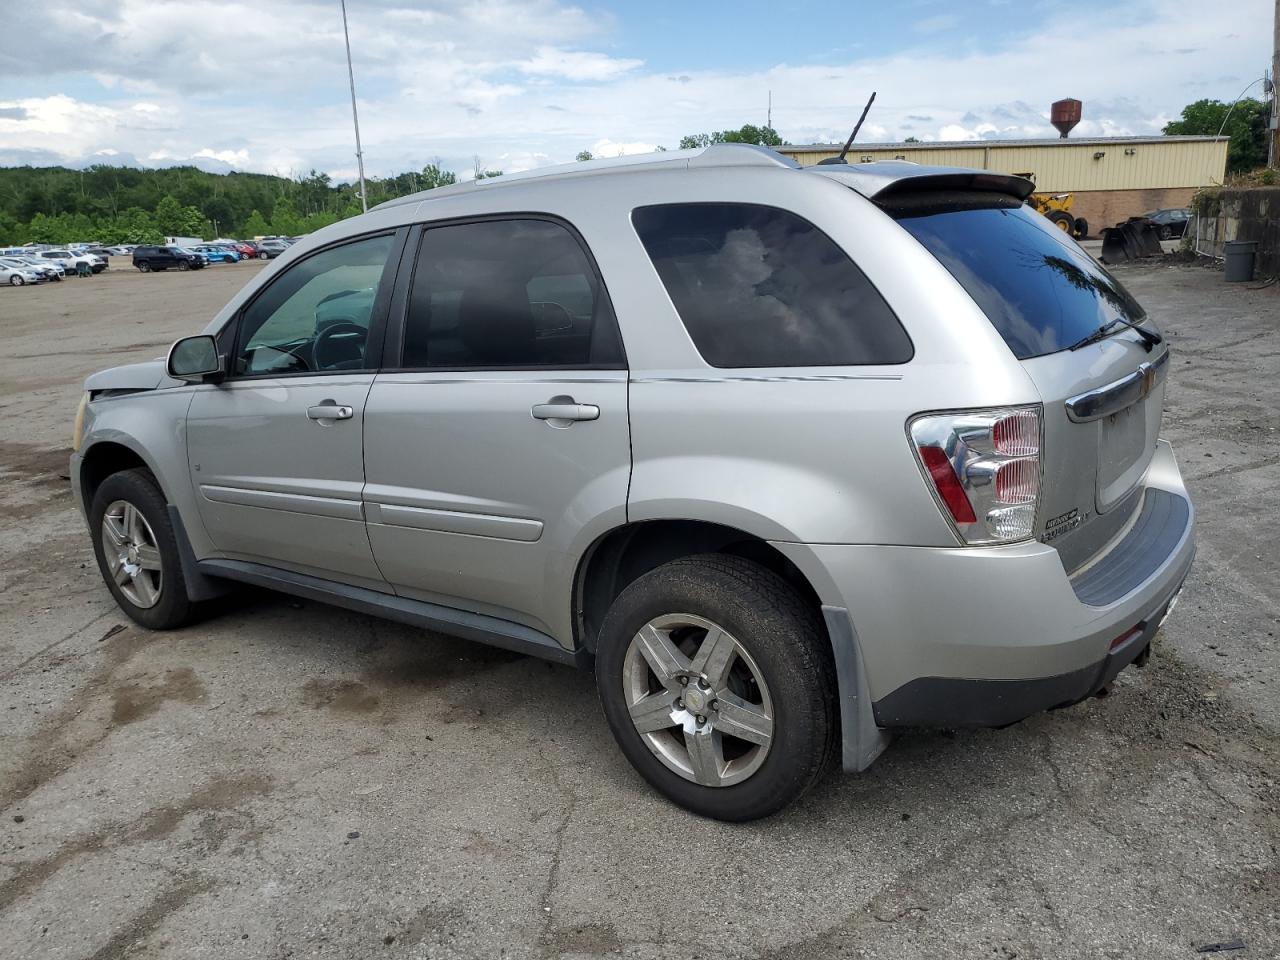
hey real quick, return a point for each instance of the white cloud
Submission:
(605, 147)
(576, 65)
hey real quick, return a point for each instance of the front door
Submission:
(500, 447)
(275, 450)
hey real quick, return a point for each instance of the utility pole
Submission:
(1274, 133)
(355, 118)
(769, 122)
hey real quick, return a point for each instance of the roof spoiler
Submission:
(889, 180)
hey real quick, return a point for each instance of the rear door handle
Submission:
(328, 410)
(564, 408)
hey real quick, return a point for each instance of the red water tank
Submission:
(1065, 114)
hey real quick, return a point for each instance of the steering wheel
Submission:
(324, 337)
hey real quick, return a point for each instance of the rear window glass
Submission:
(1038, 288)
(758, 286)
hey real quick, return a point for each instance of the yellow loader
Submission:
(1057, 207)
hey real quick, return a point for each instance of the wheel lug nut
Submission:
(715, 705)
(684, 681)
(702, 682)
(701, 719)
(679, 704)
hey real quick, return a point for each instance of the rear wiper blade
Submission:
(1149, 339)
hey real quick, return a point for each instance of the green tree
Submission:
(10, 230)
(911, 140)
(175, 220)
(1246, 126)
(256, 225)
(285, 220)
(584, 155)
(433, 175)
(749, 133)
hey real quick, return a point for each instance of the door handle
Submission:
(564, 408)
(329, 411)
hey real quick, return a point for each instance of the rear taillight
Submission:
(984, 469)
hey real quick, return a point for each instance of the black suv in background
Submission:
(147, 259)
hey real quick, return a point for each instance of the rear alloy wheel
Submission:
(16, 280)
(183, 265)
(717, 681)
(263, 256)
(144, 267)
(689, 710)
(137, 552)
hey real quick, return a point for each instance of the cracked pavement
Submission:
(291, 780)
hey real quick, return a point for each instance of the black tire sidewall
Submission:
(138, 488)
(797, 672)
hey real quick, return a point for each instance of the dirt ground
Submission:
(291, 780)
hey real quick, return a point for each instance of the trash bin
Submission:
(1238, 255)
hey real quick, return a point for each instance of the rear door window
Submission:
(758, 286)
(518, 293)
(1038, 288)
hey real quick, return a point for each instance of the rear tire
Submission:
(778, 687)
(16, 281)
(1063, 221)
(137, 552)
(144, 267)
(1080, 230)
(263, 256)
(183, 265)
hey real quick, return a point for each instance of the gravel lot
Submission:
(291, 780)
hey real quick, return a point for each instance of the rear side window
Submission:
(1038, 288)
(758, 286)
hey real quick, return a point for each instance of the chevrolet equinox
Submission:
(790, 457)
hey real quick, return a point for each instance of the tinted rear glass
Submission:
(758, 286)
(1038, 288)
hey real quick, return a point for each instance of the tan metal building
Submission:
(1112, 178)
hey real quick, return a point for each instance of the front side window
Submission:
(315, 316)
(515, 294)
(758, 286)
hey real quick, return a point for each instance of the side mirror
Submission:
(194, 359)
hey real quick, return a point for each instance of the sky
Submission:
(262, 86)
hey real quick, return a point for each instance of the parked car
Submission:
(1171, 223)
(102, 253)
(16, 275)
(148, 258)
(70, 261)
(816, 454)
(19, 274)
(216, 254)
(45, 269)
(270, 249)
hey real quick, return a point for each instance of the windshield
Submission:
(1039, 288)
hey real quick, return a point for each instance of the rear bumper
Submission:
(984, 636)
(951, 702)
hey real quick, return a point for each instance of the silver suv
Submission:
(790, 457)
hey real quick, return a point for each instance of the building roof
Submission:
(986, 144)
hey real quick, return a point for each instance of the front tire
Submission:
(137, 552)
(16, 281)
(1062, 220)
(183, 265)
(144, 268)
(263, 256)
(717, 681)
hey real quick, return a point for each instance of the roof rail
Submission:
(715, 155)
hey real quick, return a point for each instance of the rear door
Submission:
(499, 447)
(276, 450)
(1102, 402)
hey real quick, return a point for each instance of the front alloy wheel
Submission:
(698, 700)
(132, 554)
